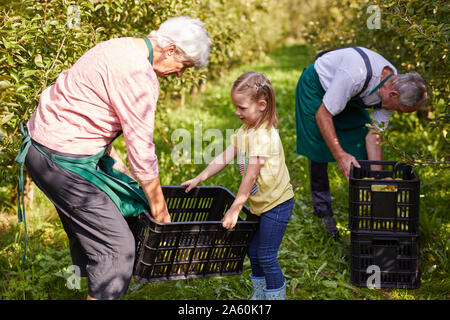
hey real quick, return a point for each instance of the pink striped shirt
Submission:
(112, 87)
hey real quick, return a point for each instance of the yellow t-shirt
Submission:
(272, 185)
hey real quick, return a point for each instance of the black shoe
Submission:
(330, 226)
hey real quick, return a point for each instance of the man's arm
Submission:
(325, 122)
(374, 149)
(155, 196)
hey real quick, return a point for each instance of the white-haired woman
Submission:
(112, 89)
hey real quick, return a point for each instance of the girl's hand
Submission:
(230, 218)
(190, 184)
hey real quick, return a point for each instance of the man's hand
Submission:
(325, 123)
(344, 162)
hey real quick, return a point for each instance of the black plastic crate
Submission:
(194, 244)
(397, 259)
(386, 200)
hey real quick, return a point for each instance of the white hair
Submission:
(412, 89)
(188, 35)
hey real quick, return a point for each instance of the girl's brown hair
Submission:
(258, 87)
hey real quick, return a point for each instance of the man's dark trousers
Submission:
(320, 188)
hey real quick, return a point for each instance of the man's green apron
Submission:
(350, 124)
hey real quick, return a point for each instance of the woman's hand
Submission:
(163, 218)
(158, 207)
(190, 184)
(230, 218)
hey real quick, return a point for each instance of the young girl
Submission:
(265, 181)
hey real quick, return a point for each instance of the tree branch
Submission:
(404, 17)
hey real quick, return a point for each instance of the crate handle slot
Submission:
(384, 242)
(384, 188)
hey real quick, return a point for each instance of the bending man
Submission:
(331, 102)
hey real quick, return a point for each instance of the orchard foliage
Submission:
(40, 39)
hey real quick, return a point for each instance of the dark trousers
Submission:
(320, 188)
(102, 245)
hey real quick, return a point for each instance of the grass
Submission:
(315, 266)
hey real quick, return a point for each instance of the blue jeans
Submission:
(263, 248)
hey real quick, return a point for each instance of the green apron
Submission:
(97, 169)
(123, 190)
(350, 124)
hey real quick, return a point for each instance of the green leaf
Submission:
(330, 284)
(320, 269)
(28, 73)
(6, 43)
(22, 87)
(4, 85)
(7, 118)
(21, 59)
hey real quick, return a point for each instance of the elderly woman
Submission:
(112, 89)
